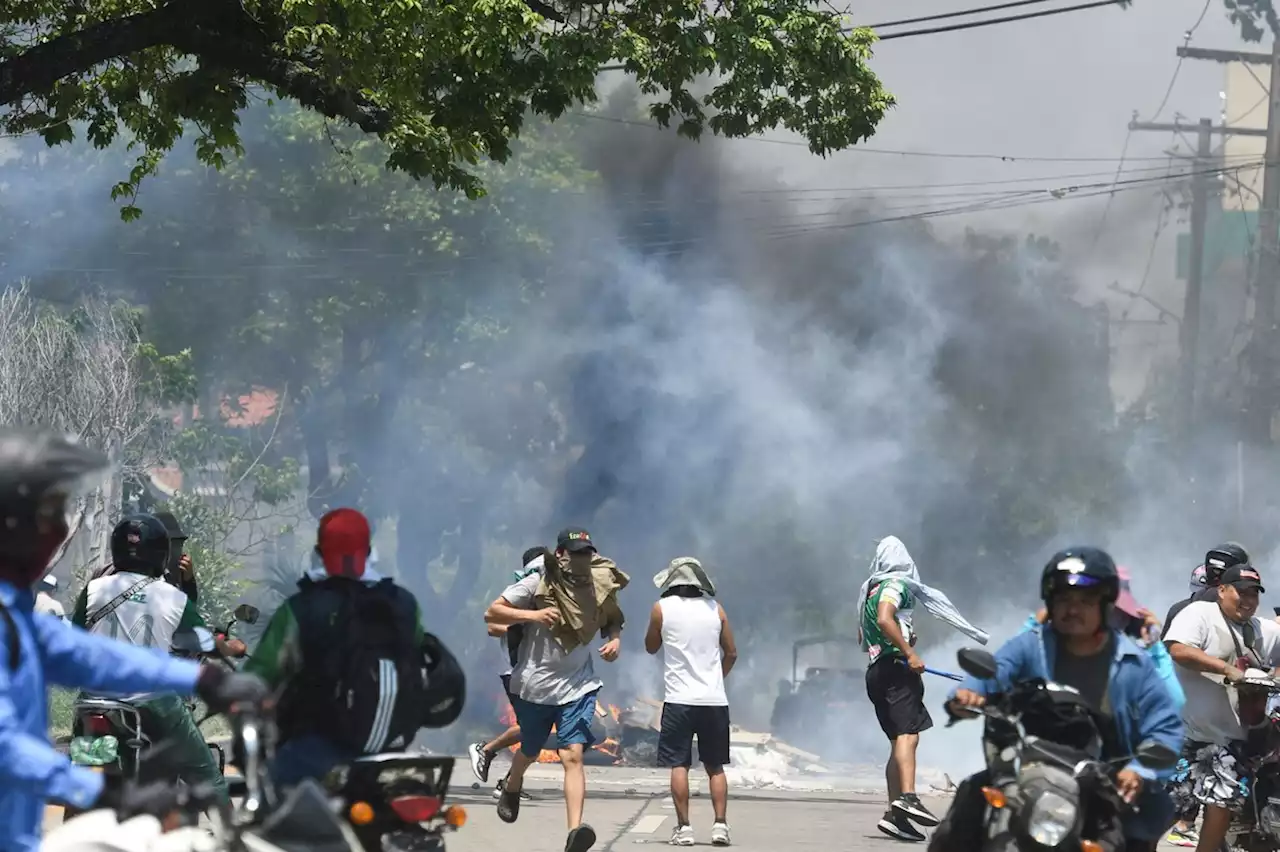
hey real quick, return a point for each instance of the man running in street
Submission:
(508, 636)
(553, 683)
(693, 633)
(894, 676)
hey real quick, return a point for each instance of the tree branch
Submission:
(37, 70)
(220, 33)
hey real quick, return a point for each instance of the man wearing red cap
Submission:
(347, 648)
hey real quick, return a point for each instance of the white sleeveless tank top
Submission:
(691, 651)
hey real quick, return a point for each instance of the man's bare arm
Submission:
(502, 612)
(1191, 657)
(728, 648)
(887, 621)
(653, 635)
(496, 630)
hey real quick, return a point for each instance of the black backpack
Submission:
(372, 678)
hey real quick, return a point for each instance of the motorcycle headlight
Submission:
(1052, 818)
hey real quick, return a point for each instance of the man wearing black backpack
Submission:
(359, 674)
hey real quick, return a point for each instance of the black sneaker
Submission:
(580, 839)
(910, 806)
(480, 760)
(502, 782)
(899, 827)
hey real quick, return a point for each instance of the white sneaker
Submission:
(683, 836)
(720, 834)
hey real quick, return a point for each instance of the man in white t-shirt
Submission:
(553, 683)
(692, 631)
(1212, 643)
(45, 601)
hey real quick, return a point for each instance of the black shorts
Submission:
(897, 693)
(680, 722)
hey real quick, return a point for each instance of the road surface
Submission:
(630, 810)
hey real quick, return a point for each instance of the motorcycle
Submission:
(103, 725)
(396, 801)
(1049, 787)
(377, 803)
(1257, 827)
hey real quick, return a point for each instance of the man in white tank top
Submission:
(692, 631)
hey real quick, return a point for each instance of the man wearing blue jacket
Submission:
(1077, 647)
(37, 472)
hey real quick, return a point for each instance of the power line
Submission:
(1186, 41)
(961, 14)
(1005, 20)
(944, 155)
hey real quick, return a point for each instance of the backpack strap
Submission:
(116, 602)
(14, 640)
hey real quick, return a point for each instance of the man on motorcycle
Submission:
(1078, 647)
(1205, 579)
(1212, 643)
(38, 471)
(314, 649)
(135, 605)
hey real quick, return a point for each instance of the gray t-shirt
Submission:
(1088, 675)
(1210, 712)
(544, 673)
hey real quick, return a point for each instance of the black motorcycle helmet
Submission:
(446, 692)
(1222, 557)
(1081, 567)
(39, 470)
(140, 545)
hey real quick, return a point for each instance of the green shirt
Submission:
(896, 593)
(278, 656)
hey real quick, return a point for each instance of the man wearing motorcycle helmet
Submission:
(1078, 646)
(135, 605)
(355, 670)
(38, 472)
(1212, 643)
(1206, 577)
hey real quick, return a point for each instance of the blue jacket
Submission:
(1141, 705)
(53, 652)
(1159, 655)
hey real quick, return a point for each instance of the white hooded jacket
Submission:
(892, 561)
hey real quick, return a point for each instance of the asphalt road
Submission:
(630, 808)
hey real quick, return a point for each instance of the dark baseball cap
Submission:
(574, 540)
(1243, 577)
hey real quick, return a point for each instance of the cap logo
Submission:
(1217, 563)
(579, 536)
(1073, 565)
(133, 538)
(1251, 575)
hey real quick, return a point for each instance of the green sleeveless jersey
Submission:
(897, 593)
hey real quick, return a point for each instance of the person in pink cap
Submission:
(1130, 617)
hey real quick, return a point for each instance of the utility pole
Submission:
(1261, 404)
(1189, 326)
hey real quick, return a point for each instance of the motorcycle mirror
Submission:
(247, 614)
(977, 662)
(194, 640)
(1156, 755)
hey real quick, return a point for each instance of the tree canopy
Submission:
(444, 85)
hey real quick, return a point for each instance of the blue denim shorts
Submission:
(572, 722)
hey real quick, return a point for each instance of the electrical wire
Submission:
(944, 155)
(990, 22)
(964, 13)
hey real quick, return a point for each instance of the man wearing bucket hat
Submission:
(691, 629)
(45, 601)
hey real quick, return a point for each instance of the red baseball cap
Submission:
(344, 541)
